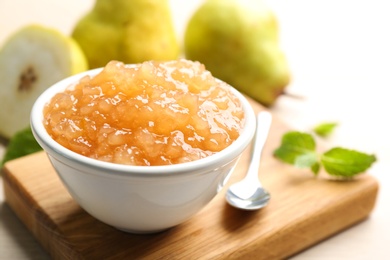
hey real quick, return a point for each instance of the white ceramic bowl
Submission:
(139, 199)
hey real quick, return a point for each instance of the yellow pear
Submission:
(237, 40)
(31, 60)
(130, 31)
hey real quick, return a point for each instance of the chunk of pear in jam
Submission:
(237, 40)
(128, 31)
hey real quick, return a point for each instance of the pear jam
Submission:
(154, 113)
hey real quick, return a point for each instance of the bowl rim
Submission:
(63, 154)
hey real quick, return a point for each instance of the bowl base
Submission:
(141, 232)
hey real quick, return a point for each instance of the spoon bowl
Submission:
(249, 194)
(258, 200)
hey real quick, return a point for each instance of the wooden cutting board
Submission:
(303, 211)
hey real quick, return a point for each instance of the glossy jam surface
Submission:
(154, 113)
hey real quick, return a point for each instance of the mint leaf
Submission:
(306, 160)
(324, 129)
(315, 168)
(22, 143)
(298, 148)
(346, 163)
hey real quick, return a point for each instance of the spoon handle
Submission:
(264, 119)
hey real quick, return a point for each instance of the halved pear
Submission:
(31, 60)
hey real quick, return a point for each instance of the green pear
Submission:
(31, 60)
(130, 31)
(237, 40)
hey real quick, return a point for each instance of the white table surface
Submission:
(339, 54)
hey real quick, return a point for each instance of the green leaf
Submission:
(325, 129)
(346, 163)
(315, 168)
(22, 143)
(298, 148)
(306, 160)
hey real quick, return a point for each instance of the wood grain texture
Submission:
(303, 211)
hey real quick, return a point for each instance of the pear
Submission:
(128, 31)
(31, 60)
(237, 41)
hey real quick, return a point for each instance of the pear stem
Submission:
(293, 95)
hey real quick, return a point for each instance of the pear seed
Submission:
(27, 79)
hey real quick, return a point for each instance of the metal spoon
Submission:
(248, 194)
